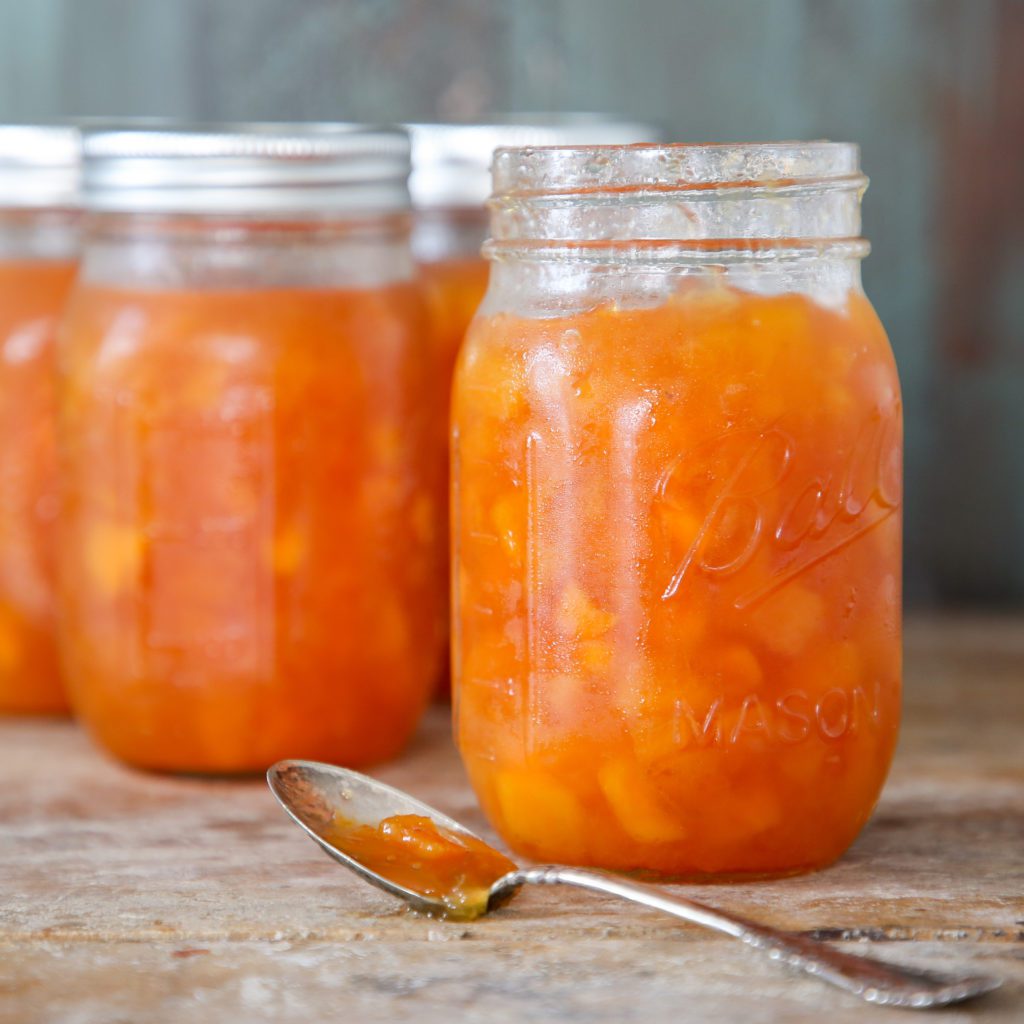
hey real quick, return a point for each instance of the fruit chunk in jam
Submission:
(677, 558)
(32, 295)
(246, 556)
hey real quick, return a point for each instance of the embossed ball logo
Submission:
(738, 499)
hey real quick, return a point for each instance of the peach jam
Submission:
(676, 512)
(246, 549)
(38, 254)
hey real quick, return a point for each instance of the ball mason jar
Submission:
(449, 185)
(676, 454)
(245, 559)
(38, 254)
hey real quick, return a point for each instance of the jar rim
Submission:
(562, 170)
(249, 168)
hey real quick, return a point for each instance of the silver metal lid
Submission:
(451, 163)
(261, 169)
(39, 166)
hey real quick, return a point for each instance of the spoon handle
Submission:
(873, 980)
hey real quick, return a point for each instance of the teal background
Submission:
(933, 90)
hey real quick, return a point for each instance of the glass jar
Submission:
(246, 544)
(38, 250)
(450, 183)
(677, 443)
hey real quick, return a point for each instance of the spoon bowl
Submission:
(316, 796)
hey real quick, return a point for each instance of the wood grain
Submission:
(128, 897)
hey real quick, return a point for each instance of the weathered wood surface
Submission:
(128, 898)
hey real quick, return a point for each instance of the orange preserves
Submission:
(677, 557)
(246, 548)
(439, 863)
(246, 569)
(453, 289)
(32, 293)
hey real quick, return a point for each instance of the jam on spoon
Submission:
(456, 869)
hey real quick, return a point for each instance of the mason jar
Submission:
(38, 254)
(245, 555)
(450, 184)
(676, 451)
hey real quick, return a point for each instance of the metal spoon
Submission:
(314, 795)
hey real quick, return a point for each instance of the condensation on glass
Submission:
(38, 253)
(677, 444)
(246, 553)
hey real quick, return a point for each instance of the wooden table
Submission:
(131, 898)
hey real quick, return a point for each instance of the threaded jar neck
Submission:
(665, 202)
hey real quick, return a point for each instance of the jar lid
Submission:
(451, 163)
(261, 169)
(39, 166)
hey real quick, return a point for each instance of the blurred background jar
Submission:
(39, 220)
(245, 557)
(450, 185)
(677, 508)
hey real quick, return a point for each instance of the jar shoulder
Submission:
(702, 339)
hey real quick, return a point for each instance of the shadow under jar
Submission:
(245, 569)
(676, 511)
(38, 255)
